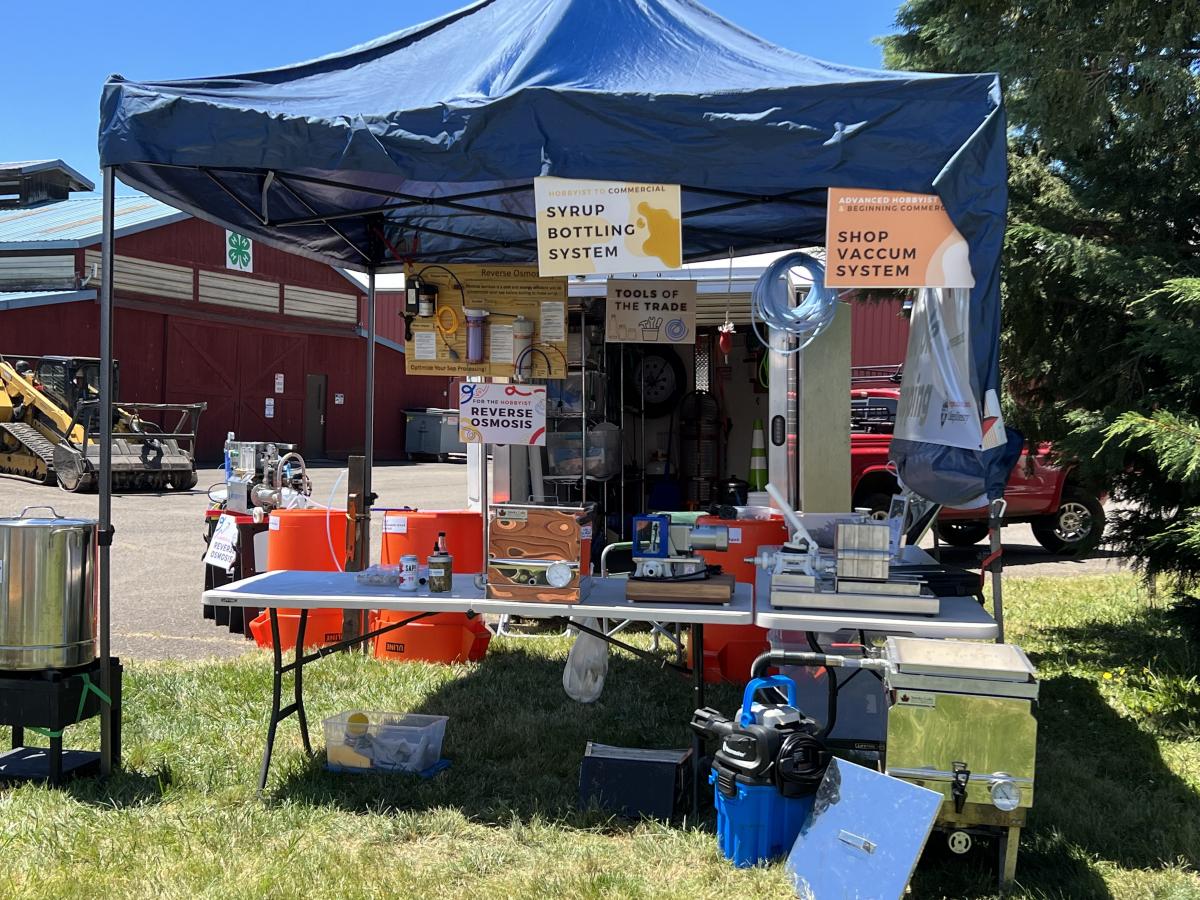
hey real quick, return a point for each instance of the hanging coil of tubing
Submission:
(771, 303)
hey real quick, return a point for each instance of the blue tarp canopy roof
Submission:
(442, 127)
(425, 143)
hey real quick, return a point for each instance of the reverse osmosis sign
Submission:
(586, 227)
(892, 239)
(502, 414)
(651, 312)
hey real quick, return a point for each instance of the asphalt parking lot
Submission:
(158, 573)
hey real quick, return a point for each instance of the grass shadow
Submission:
(516, 741)
(123, 790)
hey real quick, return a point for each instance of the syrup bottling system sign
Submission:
(502, 413)
(642, 311)
(892, 239)
(587, 227)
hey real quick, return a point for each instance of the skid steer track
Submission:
(31, 439)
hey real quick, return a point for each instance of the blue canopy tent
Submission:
(425, 143)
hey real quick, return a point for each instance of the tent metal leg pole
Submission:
(109, 754)
(369, 436)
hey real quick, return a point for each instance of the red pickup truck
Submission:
(1066, 519)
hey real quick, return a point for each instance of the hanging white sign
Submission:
(586, 227)
(239, 252)
(502, 413)
(222, 547)
(641, 311)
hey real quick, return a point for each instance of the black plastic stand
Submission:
(52, 700)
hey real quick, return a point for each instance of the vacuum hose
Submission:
(813, 660)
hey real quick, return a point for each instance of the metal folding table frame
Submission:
(305, 591)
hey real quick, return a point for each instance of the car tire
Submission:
(1076, 528)
(965, 533)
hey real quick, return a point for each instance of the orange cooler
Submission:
(300, 539)
(445, 637)
(730, 649)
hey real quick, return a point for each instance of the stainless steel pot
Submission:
(47, 591)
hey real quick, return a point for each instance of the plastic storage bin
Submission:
(383, 741)
(565, 396)
(564, 450)
(757, 823)
(444, 638)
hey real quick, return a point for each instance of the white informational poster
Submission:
(502, 413)
(395, 524)
(339, 399)
(500, 344)
(222, 548)
(269, 408)
(425, 344)
(586, 227)
(937, 402)
(279, 382)
(553, 326)
(239, 252)
(642, 311)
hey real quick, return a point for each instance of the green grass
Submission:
(1118, 809)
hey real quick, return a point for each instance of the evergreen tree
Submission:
(1101, 342)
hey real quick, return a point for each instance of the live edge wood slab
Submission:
(716, 589)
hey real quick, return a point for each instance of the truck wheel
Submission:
(962, 534)
(1076, 528)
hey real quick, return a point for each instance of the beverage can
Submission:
(409, 572)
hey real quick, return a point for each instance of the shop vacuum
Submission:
(765, 772)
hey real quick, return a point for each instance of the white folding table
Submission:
(340, 590)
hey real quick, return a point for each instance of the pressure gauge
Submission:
(558, 575)
(1006, 796)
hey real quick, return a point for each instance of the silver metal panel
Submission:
(864, 836)
(75, 223)
(995, 662)
(781, 406)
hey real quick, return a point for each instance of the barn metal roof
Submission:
(23, 299)
(73, 223)
(34, 166)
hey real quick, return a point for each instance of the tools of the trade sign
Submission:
(539, 553)
(441, 567)
(864, 836)
(765, 771)
(498, 321)
(635, 783)
(587, 665)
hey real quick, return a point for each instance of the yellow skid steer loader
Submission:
(50, 428)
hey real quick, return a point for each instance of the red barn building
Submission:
(274, 343)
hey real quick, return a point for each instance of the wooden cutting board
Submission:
(717, 589)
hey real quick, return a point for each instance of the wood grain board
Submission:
(716, 589)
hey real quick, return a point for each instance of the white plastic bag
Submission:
(587, 666)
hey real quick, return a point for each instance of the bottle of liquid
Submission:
(441, 567)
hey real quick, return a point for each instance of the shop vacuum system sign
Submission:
(651, 312)
(502, 413)
(607, 227)
(892, 239)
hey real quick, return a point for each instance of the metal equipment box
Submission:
(961, 721)
(539, 553)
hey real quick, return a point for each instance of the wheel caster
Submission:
(959, 842)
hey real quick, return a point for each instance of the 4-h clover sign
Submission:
(239, 252)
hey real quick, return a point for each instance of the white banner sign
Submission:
(651, 312)
(502, 414)
(222, 548)
(937, 404)
(586, 227)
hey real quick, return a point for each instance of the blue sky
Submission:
(48, 108)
